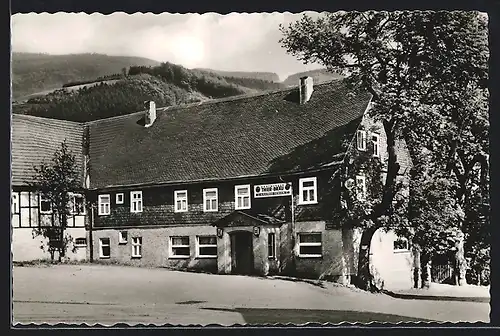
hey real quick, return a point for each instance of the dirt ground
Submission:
(107, 295)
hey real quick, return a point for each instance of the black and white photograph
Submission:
(248, 169)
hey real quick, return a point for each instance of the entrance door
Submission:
(242, 253)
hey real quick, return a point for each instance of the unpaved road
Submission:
(113, 294)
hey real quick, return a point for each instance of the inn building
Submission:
(233, 186)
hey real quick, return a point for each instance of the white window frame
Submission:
(73, 197)
(236, 196)
(177, 198)
(100, 202)
(81, 245)
(117, 200)
(360, 196)
(376, 144)
(136, 244)
(404, 249)
(101, 245)
(361, 140)
(310, 244)
(41, 199)
(136, 201)
(199, 246)
(120, 237)
(302, 189)
(172, 246)
(15, 203)
(205, 199)
(273, 235)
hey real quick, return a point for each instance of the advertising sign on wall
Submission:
(272, 190)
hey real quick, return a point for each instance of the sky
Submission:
(233, 42)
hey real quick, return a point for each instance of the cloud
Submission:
(246, 42)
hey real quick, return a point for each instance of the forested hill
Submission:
(264, 76)
(318, 75)
(33, 73)
(118, 94)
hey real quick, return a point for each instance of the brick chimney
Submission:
(305, 89)
(150, 114)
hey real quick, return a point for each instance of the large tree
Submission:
(55, 181)
(415, 64)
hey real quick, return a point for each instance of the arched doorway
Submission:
(241, 252)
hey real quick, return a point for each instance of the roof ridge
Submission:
(217, 100)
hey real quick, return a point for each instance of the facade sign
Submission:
(272, 190)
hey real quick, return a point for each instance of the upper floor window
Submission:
(45, 205)
(360, 188)
(401, 244)
(210, 202)
(308, 190)
(119, 198)
(77, 204)
(104, 205)
(242, 197)
(361, 140)
(376, 144)
(15, 203)
(181, 200)
(136, 201)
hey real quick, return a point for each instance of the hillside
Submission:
(167, 84)
(318, 75)
(263, 76)
(41, 72)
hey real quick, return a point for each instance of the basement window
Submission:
(136, 201)
(104, 205)
(136, 247)
(308, 190)
(242, 197)
(207, 247)
(179, 247)
(181, 200)
(104, 248)
(310, 245)
(361, 140)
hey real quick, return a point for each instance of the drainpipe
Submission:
(91, 225)
(292, 210)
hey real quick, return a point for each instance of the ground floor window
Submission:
(136, 247)
(179, 247)
(310, 244)
(207, 246)
(122, 237)
(401, 244)
(104, 247)
(271, 245)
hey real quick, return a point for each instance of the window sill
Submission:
(180, 211)
(307, 203)
(81, 246)
(104, 214)
(136, 257)
(217, 210)
(178, 257)
(101, 257)
(122, 243)
(401, 251)
(271, 258)
(248, 208)
(310, 256)
(206, 257)
(135, 211)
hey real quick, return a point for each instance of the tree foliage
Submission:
(427, 73)
(55, 181)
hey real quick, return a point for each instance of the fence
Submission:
(441, 273)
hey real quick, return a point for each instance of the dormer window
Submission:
(308, 190)
(361, 140)
(242, 197)
(376, 144)
(181, 200)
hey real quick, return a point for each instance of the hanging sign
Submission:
(272, 190)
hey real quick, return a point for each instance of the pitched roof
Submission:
(227, 138)
(35, 139)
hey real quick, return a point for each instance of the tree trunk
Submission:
(364, 278)
(426, 270)
(460, 264)
(417, 270)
